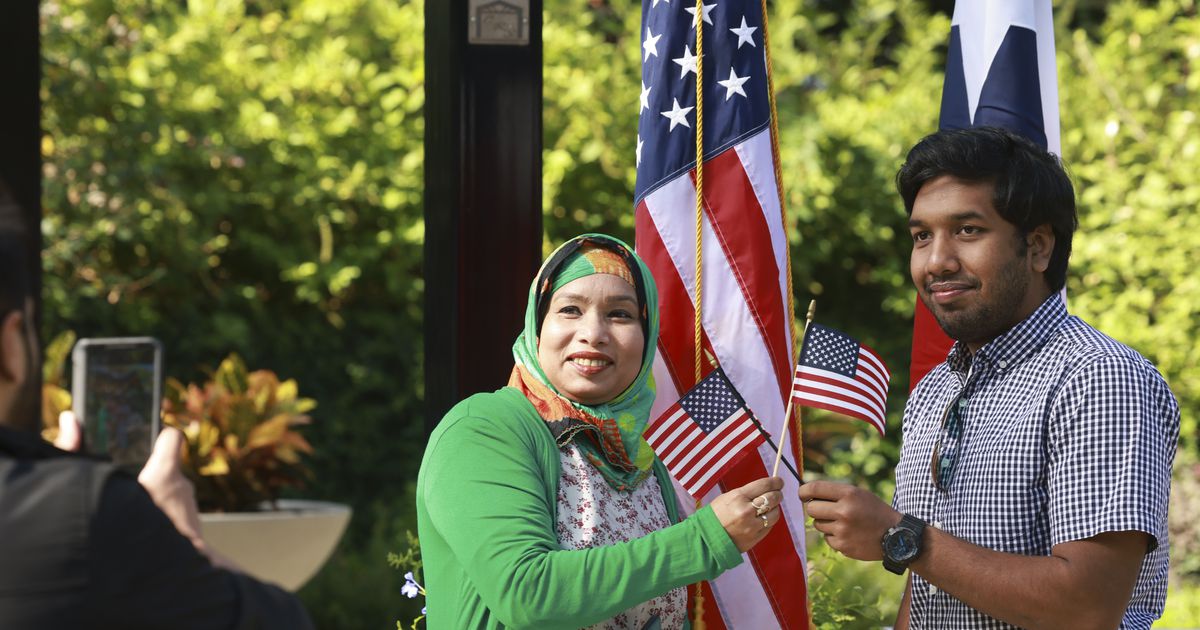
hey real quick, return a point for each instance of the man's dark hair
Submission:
(1031, 188)
(14, 261)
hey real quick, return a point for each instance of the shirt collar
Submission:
(1019, 342)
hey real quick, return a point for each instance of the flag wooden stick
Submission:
(812, 311)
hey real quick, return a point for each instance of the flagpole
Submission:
(812, 311)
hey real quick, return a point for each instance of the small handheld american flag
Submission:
(704, 434)
(839, 374)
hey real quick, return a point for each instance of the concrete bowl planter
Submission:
(286, 546)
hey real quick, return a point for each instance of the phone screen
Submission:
(119, 404)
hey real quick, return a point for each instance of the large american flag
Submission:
(1000, 72)
(709, 430)
(745, 311)
(839, 374)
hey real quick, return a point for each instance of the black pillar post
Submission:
(483, 191)
(20, 124)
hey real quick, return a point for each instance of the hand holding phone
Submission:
(116, 392)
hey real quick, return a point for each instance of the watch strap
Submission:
(917, 527)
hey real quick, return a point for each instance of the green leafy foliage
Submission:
(410, 560)
(847, 594)
(229, 175)
(1132, 139)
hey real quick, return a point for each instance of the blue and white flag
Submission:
(1000, 72)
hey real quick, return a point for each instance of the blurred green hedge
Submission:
(246, 177)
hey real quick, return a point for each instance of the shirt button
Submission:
(937, 524)
(932, 590)
(1003, 364)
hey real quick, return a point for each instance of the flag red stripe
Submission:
(675, 342)
(870, 369)
(688, 441)
(712, 616)
(744, 448)
(858, 387)
(674, 436)
(685, 439)
(870, 394)
(844, 407)
(738, 222)
(675, 346)
(871, 376)
(775, 558)
(875, 420)
(661, 426)
(696, 452)
(841, 395)
(730, 434)
(930, 344)
(871, 357)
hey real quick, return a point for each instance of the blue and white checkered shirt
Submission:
(1065, 434)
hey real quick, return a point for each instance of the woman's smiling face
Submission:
(591, 344)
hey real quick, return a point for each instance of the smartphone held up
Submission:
(116, 389)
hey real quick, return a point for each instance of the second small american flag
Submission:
(839, 374)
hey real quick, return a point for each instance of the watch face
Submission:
(901, 545)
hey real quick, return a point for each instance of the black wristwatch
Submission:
(902, 544)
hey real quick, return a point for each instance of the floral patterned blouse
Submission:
(592, 514)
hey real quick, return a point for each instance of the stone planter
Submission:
(285, 546)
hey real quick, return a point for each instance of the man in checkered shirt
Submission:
(1035, 471)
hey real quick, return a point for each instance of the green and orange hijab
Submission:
(609, 435)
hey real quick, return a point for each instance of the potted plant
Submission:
(242, 451)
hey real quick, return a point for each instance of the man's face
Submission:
(972, 268)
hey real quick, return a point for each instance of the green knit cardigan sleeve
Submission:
(488, 489)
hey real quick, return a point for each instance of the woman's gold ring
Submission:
(760, 508)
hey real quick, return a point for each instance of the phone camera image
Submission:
(119, 406)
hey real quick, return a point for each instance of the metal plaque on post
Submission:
(499, 22)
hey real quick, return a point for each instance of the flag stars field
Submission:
(744, 33)
(708, 8)
(733, 85)
(650, 46)
(678, 115)
(687, 63)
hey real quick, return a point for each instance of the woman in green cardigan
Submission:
(540, 505)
